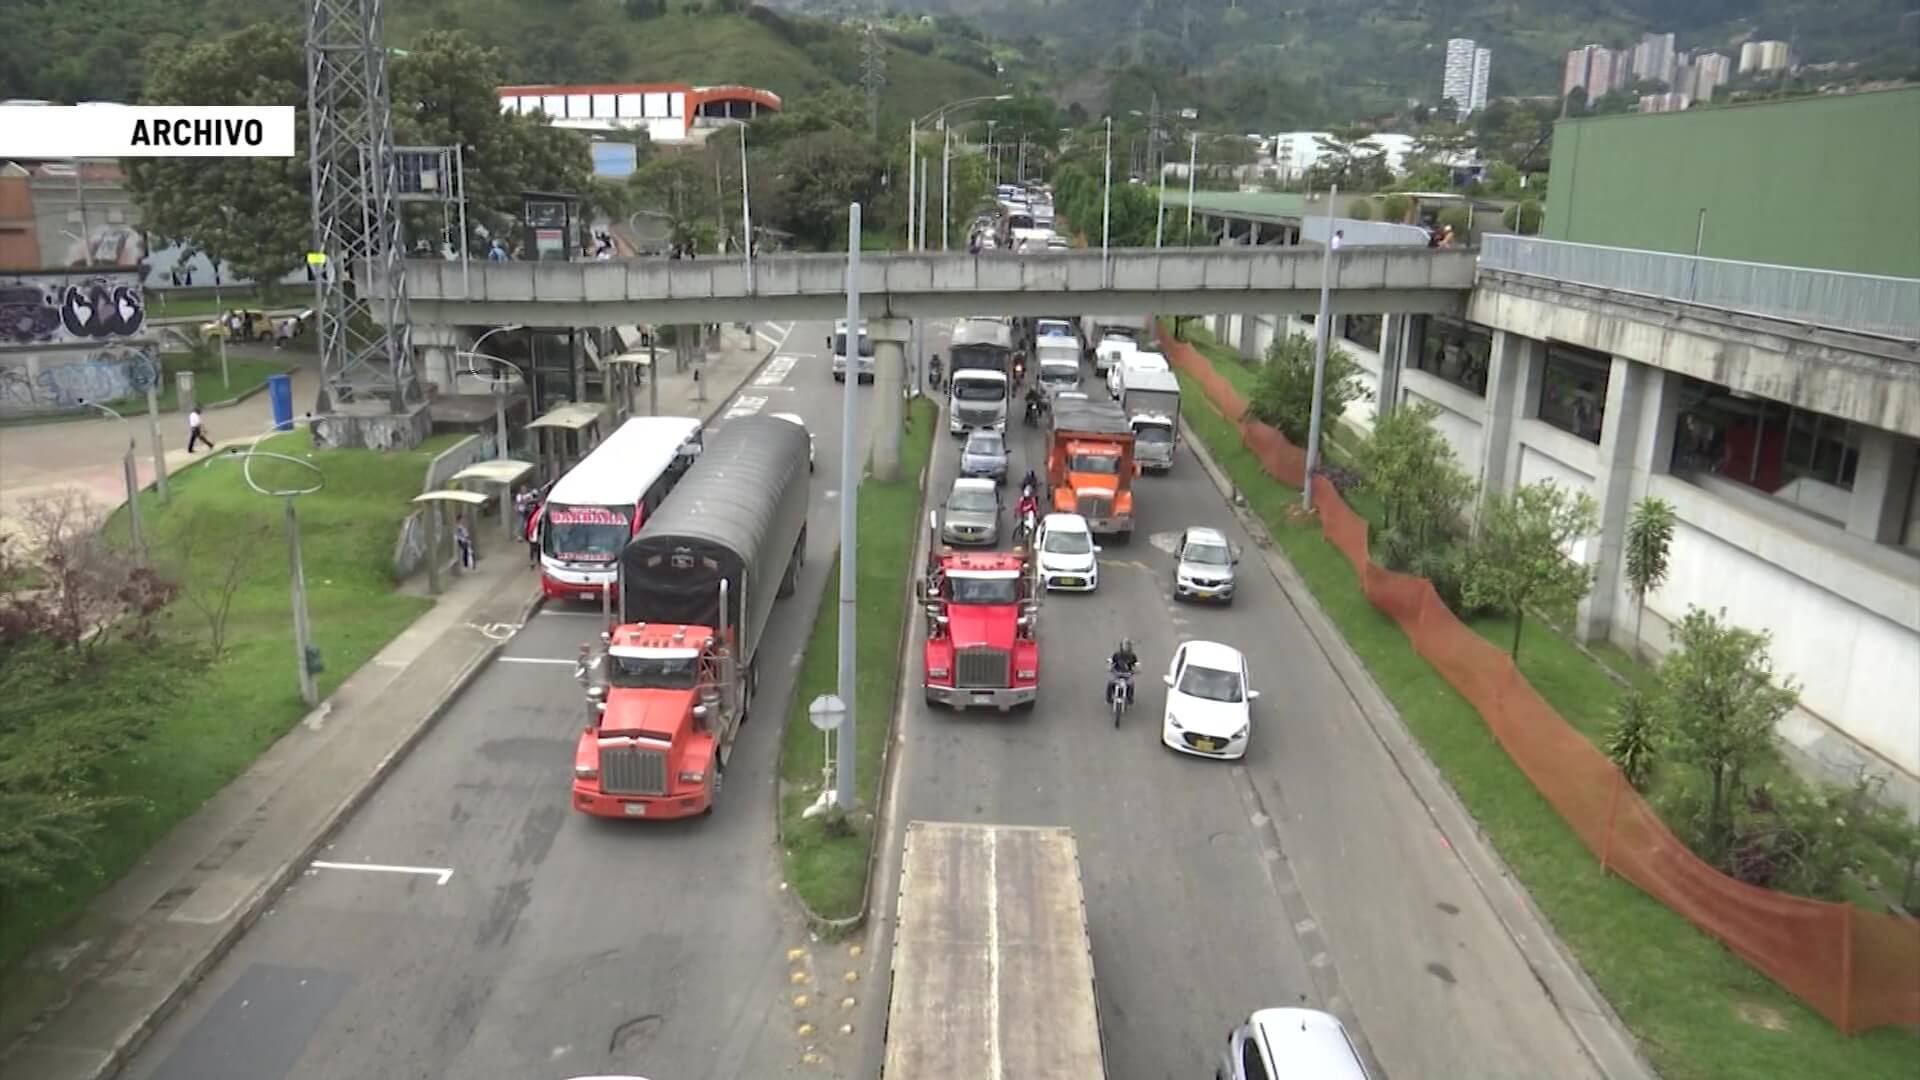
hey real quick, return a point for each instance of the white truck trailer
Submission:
(992, 967)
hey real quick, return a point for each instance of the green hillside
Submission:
(77, 50)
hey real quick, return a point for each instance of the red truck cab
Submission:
(660, 718)
(982, 650)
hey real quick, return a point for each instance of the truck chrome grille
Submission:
(1094, 506)
(981, 667)
(630, 770)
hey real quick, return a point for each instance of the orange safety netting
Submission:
(1859, 969)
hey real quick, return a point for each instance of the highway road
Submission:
(1308, 873)
(559, 945)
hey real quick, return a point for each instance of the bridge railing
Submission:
(1865, 303)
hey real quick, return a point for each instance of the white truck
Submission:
(1057, 363)
(1151, 400)
(1111, 351)
(838, 343)
(992, 965)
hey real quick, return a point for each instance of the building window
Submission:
(1456, 351)
(1763, 444)
(1573, 390)
(1362, 330)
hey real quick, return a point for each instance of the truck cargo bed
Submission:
(992, 973)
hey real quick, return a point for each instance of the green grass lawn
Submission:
(238, 705)
(1700, 1012)
(243, 375)
(829, 870)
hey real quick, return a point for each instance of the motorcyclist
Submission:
(1019, 368)
(1122, 662)
(1036, 405)
(933, 369)
(1028, 506)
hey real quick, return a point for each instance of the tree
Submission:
(1633, 739)
(1523, 217)
(212, 560)
(1719, 706)
(1396, 208)
(1283, 398)
(1649, 543)
(1521, 560)
(254, 212)
(820, 174)
(1360, 209)
(251, 213)
(677, 188)
(1410, 465)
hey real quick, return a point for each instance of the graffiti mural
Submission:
(78, 308)
(64, 381)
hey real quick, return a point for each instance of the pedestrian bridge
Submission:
(934, 284)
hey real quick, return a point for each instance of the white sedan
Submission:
(1208, 701)
(794, 419)
(1069, 559)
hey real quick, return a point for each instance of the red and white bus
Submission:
(601, 503)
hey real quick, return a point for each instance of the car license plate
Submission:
(1071, 581)
(983, 699)
(1205, 746)
(635, 809)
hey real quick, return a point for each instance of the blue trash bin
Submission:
(280, 394)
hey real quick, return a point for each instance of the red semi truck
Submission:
(982, 649)
(674, 678)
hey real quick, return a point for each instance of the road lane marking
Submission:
(746, 405)
(441, 872)
(776, 370)
(533, 659)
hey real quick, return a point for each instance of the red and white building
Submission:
(669, 112)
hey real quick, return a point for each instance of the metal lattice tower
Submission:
(873, 75)
(365, 347)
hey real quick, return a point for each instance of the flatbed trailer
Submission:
(992, 966)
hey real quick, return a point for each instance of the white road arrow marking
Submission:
(440, 872)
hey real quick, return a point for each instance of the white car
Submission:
(794, 419)
(1069, 559)
(1208, 701)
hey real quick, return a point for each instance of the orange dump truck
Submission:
(1090, 466)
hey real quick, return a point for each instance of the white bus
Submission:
(600, 503)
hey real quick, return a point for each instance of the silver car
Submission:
(1204, 563)
(972, 513)
(985, 454)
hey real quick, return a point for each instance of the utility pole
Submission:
(946, 180)
(873, 76)
(1322, 328)
(913, 178)
(1106, 210)
(849, 522)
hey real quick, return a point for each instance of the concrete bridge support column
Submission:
(1264, 329)
(1882, 485)
(1513, 381)
(577, 356)
(1636, 441)
(1397, 335)
(890, 337)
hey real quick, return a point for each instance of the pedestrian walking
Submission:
(196, 431)
(529, 505)
(463, 540)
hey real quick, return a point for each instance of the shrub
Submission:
(1631, 741)
(1396, 208)
(1283, 397)
(1360, 209)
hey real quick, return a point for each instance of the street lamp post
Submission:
(1322, 325)
(946, 181)
(498, 383)
(1106, 207)
(849, 525)
(993, 152)
(913, 178)
(746, 214)
(131, 474)
(946, 156)
(302, 632)
(1193, 160)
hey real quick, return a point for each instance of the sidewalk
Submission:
(83, 1002)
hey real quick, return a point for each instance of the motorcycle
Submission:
(1033, 413)
(1122, 696)
(1023, 530)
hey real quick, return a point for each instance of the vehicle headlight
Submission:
(1242, 733)
(695, 777)
(1027, 673)
(1174, 722)
(936, 673)
(585, 772)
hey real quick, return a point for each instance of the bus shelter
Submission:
(503, 474)
(565, 434)
(435, 504)
(631, 370)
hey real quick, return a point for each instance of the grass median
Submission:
(827, 866)
(220, 713)
(1700, 1012)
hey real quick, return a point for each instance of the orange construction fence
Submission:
(1859, 969)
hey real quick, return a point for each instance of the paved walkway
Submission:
(79, 1006)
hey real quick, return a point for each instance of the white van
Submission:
(1057, 363)
(1131, 362)
(1303, 1043)
(838, 343)
(1111, 351)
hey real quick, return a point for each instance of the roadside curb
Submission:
(132, 1039)
(1602, 1035)
(888, 759)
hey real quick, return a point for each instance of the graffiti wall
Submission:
(83, 307)
(52, 382)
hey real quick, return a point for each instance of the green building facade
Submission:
(1831, 181)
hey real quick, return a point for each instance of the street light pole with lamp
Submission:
(1106, 207)
(946, 156)
(131, 473)
(1322, 325)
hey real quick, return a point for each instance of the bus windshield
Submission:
(585, 533)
